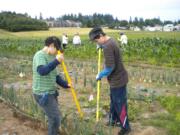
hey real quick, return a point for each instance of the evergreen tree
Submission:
(20, 22)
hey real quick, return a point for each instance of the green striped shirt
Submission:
(46, 83)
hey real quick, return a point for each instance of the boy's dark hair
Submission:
(95, 33)
(121, 33)
(55, 40)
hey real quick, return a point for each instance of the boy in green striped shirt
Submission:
(45, 79)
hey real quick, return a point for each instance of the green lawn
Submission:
(84, 33)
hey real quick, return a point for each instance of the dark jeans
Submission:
(118, 107)
(52, 111)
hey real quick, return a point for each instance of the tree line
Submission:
(20, 22)
(12, 21)
(109, 21)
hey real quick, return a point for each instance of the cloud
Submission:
(123, 9)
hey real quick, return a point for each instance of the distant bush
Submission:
(20, 22)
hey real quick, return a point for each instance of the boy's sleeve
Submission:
(109, 56)
(61, 82)
(105, 72)
(46, 69)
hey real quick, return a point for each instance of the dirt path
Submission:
(9, 125)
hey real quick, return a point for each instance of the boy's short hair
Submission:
(55, 40)
(95, 33)
(121, 33)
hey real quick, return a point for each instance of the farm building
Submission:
(135, 28)
(155, 28)
(168, 27)
(121, 28)
(62, 23)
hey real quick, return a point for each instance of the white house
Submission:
(121, 28)
(168, 27)
(149, 28)
(137, 29)
(155, 28)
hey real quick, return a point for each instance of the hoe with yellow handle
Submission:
(72, 89)
(98, 85)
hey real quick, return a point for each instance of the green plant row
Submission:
(156, 51)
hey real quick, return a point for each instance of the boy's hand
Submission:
(60, 57)
(69, 85)
(98, 47)
(98, 77)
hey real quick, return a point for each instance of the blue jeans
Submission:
(52, 111)
(118, 107)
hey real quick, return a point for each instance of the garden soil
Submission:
(12, 125)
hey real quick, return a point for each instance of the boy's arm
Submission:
(46, 69)
(109, 62)
(105, 72)
(61, 82)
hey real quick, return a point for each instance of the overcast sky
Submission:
(122, 9)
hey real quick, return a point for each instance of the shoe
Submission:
(124, 131)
